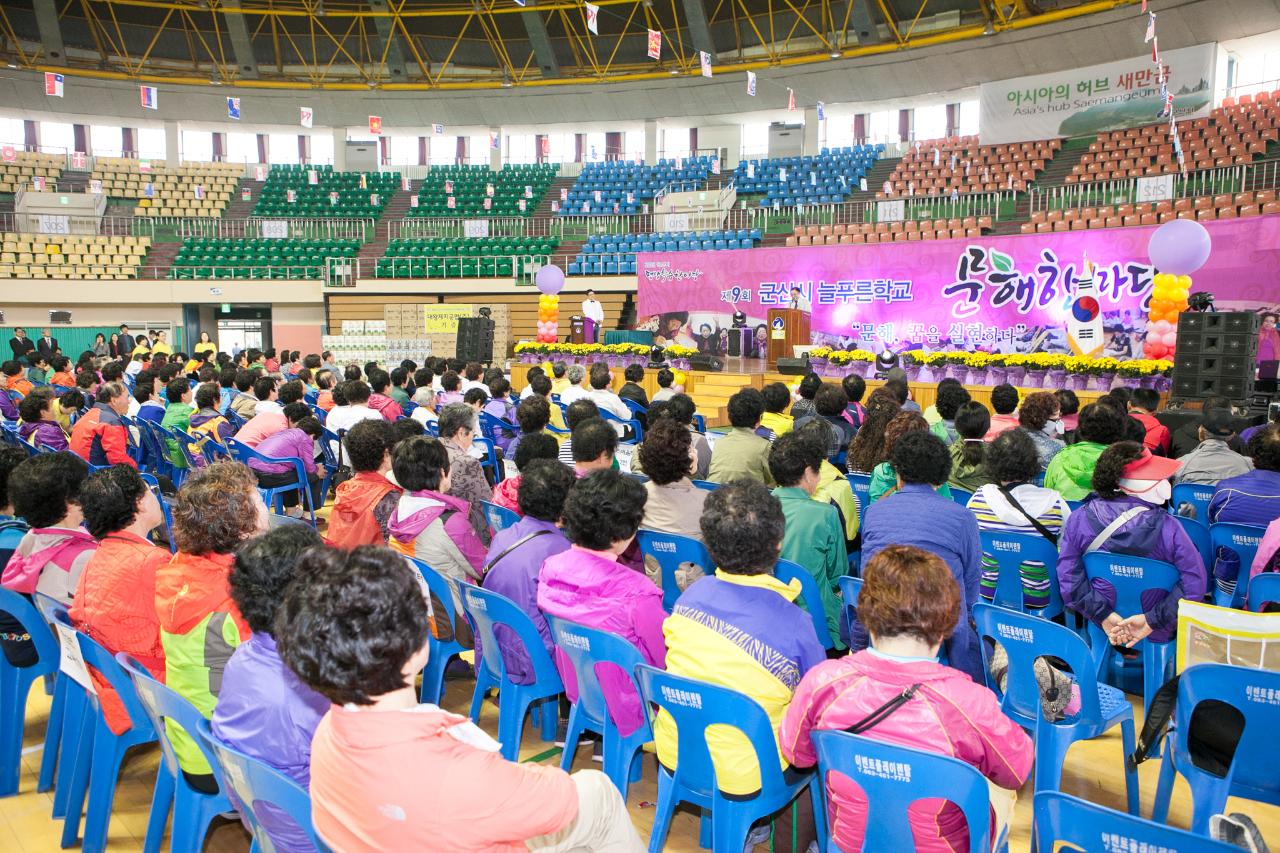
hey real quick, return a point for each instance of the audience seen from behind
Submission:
(884, 479)
(467, 480)
(673, 504)
(777, 399)
(1251, 498)
(951, 396)
(867, 448)
(968, 451)
(1070, 473)
(833, 486)
(741, 452)
(1213, 460)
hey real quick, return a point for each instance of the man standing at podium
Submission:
(799, 302)
(593, 311)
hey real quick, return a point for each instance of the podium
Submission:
(788, 327)
(582, 330)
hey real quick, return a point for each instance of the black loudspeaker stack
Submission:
(475, 339)
(793, 366)
(708, 363)
(1217, 354)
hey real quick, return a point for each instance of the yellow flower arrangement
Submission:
(850, 356)
(820, 352)
(681, 352)
(1140, 367)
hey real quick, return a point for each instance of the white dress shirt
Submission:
(593, 309)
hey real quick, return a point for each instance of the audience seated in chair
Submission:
(673, 503)
(1004, 402)
(968, 452)
(378, 757)
(297, 441)
(1143, 407)
(830, 404)
(39, 424)
(941, 416)
(534, 446)
(777, 399)
(217, 508)
(458, 429)
(910, 604)
(1071, 471)
(917, 514)
(1252, 498)
(115, 600)
(1213, 460)
(1132, 485)
(742, 453)
(363, 505)
(884, 479)
(1040, 417)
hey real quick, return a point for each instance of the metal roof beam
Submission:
(695, 13)
(241, 45)
(863, 26)
(387, 44)
(50, 32)
(543, 52)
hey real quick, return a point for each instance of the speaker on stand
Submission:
(1217, 354)
(475, 339)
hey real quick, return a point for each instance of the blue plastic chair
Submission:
(440, 651)
(1010, 551)
(706, 485)
(487, 609)
(634, 407)
(1080, 824)
(15, 685)
(695, 706)
(490, 459)
(1198, 533)
(499, 517)
(492, 427)
(670, 550)
(892, 778)
(861, 485)
(193, 811)
(108, 748)
(67, 722)
(586, 649)
(1244, 540)
(1130, 577)
(1102, 706)
(636, 431)
(810, 598)
(1196, 494)
(274, 495)
(850, 589)
(1263, 588)
(961, 496)
(1252, 774)
(256, 784)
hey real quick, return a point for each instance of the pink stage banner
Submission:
(1004, 294)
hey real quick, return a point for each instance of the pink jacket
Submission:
(949, 714)
(1266, 548)
(599, 592)
(385, 406)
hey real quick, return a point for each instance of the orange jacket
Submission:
(115, 604)
(351, 522)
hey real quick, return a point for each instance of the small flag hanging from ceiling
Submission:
(495, 142)
(304, 116)
(822, 111)
(1151, 27)
(706, 62)
(1155, 49)
(655, 44)
(1144, 5)
(437, 129)
(791, 99)
(53, 85)
(233, 108)
(375, 124)
(150, 97)
(592, 14)
(751, 83)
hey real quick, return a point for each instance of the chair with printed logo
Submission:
(1242, 540)
(1010, 552)
(671, 551)
(1065, 822)
(1264, 589)
(1197, 495)
(499, 517)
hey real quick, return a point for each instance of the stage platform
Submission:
(711, 390)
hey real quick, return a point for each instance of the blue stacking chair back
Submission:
(695, 706)
(490, 459)
(440, 651)
(491, 427)
(706, 485)
(1196, 494)
(1263, 588)
(1010, 551)
(1081, 825)
(1130, 577)
(15, 685)
(893, 777)
(108, 747)
(850, 590)
(810, 598)
(670, 550)
(1198, 533)
(961, 496)
(1252, 774)
(636, 408)
(637, 431)
(499, 517)
(588, 650)
(861, 485)
(193, 810)
(486, 610)
(1025, 638)
(261, 788)
(273, 495)
(1244, 540)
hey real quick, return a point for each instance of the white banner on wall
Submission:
(276, 229)
(54, 223)
(1086, 101)
(894, 210)
(1157, 188)
(475, 227)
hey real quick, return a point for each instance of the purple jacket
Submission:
(1252, 498)
(1155, 534)
(265, 711)
(592, 590)
(290, 443)
(44, 432)
(451, 547)
(8, 408)
(516, 577)
(503, 410)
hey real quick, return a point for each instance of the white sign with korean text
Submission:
(1099, 98)
(893, 210)
(276, 229)
(475, 227)
(1157, 188)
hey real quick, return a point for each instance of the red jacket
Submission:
(1158, 439)
(115, 604)
(101, 438)
(507, 494)
(385, 406)
(351, 521)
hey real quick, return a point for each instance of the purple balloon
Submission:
(550, 279)
(1179, 247)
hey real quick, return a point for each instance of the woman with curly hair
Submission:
(1040, 417)
(1132, 486)
(866, 451)
(884, 479)
(217, 508)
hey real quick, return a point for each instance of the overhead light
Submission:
(835, 54)
(989, 30)
(13, 65)
(674, 72)
(214, 81)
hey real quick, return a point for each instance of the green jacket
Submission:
(1071, 471)
(177, 416)
(815, 542)
(884, 480)
(740, 453)
(965, 476)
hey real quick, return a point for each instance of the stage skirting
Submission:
(623, 336)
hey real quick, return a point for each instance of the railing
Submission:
(992, 204)
(202, 272)
(424, 227)
(1243, 178)
(519, 267)
(79, 226)
(317, 228)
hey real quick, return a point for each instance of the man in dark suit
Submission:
(21, 345)
(124, 345)
(47, 346)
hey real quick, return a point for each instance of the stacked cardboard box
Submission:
(502, 342)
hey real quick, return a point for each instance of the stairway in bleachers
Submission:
(879, 173)
(237, 208)
(396, 208)
(1057, 169)
(543, 210)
